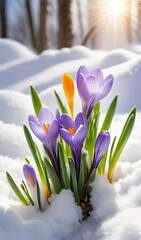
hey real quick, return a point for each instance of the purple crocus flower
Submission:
(92, 87)
(74, 133)
(101, 146)
(29, 175)
(46, 128)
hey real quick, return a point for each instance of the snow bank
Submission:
(117, 207)
(11, 50)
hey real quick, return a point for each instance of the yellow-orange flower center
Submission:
(46, 127)
(71, 131)
(31, 180)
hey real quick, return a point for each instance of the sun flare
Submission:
(116, 7)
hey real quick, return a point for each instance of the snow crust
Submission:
(117, 206)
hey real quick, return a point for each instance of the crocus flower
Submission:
(101, 146)
(68, 87)
(92, 87)
(46, 128)
(29, 175)
(74, 133)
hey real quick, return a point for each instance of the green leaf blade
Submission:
(74, 180)
(35, 100)
(53, 176)
(109, 115)
(61, 105)
(16, 189)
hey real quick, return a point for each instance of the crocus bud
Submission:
(101, 146)
(68, 87)
(29, 175)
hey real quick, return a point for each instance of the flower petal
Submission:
(67, 121)
(66, 136)
(79, 136)
(57, 115)
(34, 119)
(45, 116)
(104, 90)
(80, 120)
(82, 87)
(101, 146)
(92, 84)
(82, 70)
(97, 72)
(53, 131)
(39, 132)
(29, 175)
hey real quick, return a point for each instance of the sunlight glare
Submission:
(116, 7)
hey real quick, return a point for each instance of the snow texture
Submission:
(117, 206)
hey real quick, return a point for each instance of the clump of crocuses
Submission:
(75, 148)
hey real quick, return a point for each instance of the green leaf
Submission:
(112, 149)
(61, 105)
(25, 189)
(53, 176)
(38, 196)
(27, 160)
(47, 181)
(82, 174)
(109, 115)
(64, 174)
(125, 134)
(74, 180)
(102, 165)
(16, 189)
(29, 140)
(35, 100)
(92, 176)
(92, 131)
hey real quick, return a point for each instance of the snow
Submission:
(117, 206)
(14, 51)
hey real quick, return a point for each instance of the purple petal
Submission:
(29, 174)
(101, 146)
(45, 116)
(97, 72)
(92, 84)
(104, 90)
(82, 87)
(80, 120)
(35, 120)
(66, 136)
(109, 77)
(53, 131)
(39, 132)
(82, 70)
(57, 115)
(67, 121)
(79, 136)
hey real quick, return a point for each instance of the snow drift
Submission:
(117, 206)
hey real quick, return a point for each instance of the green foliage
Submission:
(124, 136)
(35, 100)
(92, 131)
(73, 181)
(53, 176)
(16, 189)
(109, 115)
(61, 105)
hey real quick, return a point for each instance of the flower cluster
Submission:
(75, 150)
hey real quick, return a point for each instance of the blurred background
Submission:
(54, 24)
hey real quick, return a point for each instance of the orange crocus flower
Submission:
(68, 87)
